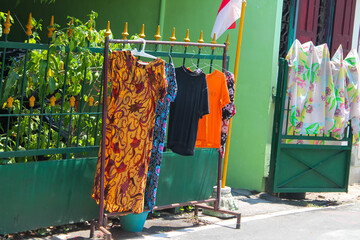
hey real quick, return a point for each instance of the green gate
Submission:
(305, 167)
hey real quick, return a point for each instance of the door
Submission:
(307, 21)
(343, 25)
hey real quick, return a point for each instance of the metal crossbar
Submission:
(310, 169)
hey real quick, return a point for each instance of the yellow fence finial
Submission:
(71, 29)
(157, 36)
(201, 40)
(187, 39)
(7, 24)
(29, 26)
(227, 42)
(10, 101)
(108, 32)
(214, 41)
(51, 27)
(142, 33)
(173, 38)
(125, 32)
(91, 101)
(72, 101)
(32, 101)
(52, 101)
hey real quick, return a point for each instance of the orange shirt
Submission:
(209, 130)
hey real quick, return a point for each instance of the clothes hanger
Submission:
(203, 65)
(142, 53)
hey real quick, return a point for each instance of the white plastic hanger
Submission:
(142, 53)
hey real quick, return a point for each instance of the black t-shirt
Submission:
(191, 103)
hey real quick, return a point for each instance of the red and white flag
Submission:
(229, 12)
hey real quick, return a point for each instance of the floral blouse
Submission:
(228, 111)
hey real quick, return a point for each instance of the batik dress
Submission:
(228, 111)
(135, 90)
(162, 112)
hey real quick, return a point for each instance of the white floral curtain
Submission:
(323, 93)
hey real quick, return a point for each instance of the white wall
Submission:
(356, 30)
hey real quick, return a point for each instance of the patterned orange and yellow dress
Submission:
(136, 88)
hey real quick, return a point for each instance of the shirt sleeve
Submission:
(204, 100)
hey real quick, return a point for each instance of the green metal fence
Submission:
(50, 109)
(51, 96)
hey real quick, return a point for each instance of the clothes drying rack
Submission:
(103, 217)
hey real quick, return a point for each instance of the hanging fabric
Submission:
(209, 130)
(136, 88)
(190, 105)
(352, 65)
(322, 94)
(228, 111)
(162, 111)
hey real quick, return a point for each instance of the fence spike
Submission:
(227, 42)
(201, 40)
(52, 101)
(187, 39)
(91, 101)
(32, 101)
(214, 41)
(7, 24)
(71, 29)
(173, 38)
(10, 101)
(142, 33)
(125, 32)
(108, 32)
(51, 28)
(72, 101)
(29, 26)
(157, 36)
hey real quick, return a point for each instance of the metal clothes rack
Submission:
(103, 217)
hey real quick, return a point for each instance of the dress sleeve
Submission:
(204, 99)
(225, 99)
(172, 88)
(163, 82)
(229, 110)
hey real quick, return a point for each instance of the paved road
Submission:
(341, 223)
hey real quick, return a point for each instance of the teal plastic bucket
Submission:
(133, 222)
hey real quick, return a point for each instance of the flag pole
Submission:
(236, 69)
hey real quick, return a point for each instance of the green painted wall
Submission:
(252, 125)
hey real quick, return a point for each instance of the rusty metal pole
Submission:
(103, 133)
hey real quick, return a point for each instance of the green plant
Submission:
(67, 70)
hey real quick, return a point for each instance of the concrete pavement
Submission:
(261, 213)
(331, 223)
